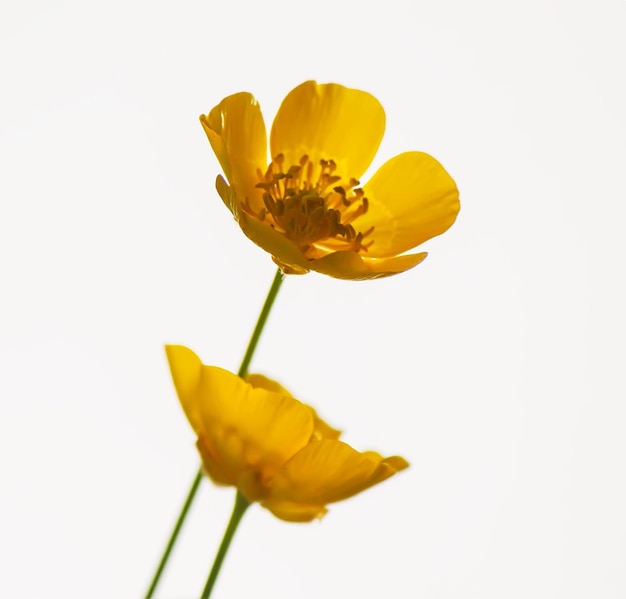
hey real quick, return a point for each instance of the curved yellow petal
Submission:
(236, 131)
(291, 511)
(328, 471)
(411, 199)
(186, 369)
(250, 428)
(284, 253)
(352, 266)
(323, 430)
(260, 381)
(329, 121)
(396, 462)
(228, 196)
(217, 467)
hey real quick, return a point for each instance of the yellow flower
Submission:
(307, 207)
(255, 436)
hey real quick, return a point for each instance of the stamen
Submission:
(293, 171)
(313, 214)
(269, 202)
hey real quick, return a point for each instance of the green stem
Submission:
(177, 527)
(260, 324)
(243, 371)
(241, 505)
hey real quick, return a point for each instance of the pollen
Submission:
(312, 206)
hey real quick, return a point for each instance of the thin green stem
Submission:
(260, 324)
(241, 505)
(177, 527)
(243, 371)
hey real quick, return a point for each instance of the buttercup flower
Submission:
(306, 206)
(255, 436)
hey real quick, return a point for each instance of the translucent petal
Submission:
(321, 429)
(294, 512)
(219, 469)
(251, 428)
(411, 199)
(186, 369)
(284, 252)
(227, 194)
(329, 121)
(260, 381)
(236, 131)
(328, 471)
(352, 266)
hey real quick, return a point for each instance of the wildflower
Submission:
(307, 207)
(253, 435)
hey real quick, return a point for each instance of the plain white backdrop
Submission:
(495, 367)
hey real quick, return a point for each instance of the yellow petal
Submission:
(329, 121)
(295, 512)
(352, 266)
(250, 428)
(217, 466)
(285, 253)
(328, 471)
(411, 199)
(260, 381)
(396, 462)
(236, 131)
(228, 196)
(321, 429)
(186, 369)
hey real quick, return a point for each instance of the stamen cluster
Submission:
(315, 214)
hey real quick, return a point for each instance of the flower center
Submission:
(314, 213)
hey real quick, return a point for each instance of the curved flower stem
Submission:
(243, 371)
(241, 505)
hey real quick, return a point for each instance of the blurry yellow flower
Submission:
(255, 436)
(307, 207)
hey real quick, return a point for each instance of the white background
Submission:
(495, 367)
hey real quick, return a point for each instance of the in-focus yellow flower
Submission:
(307, 207)
(255, 436)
